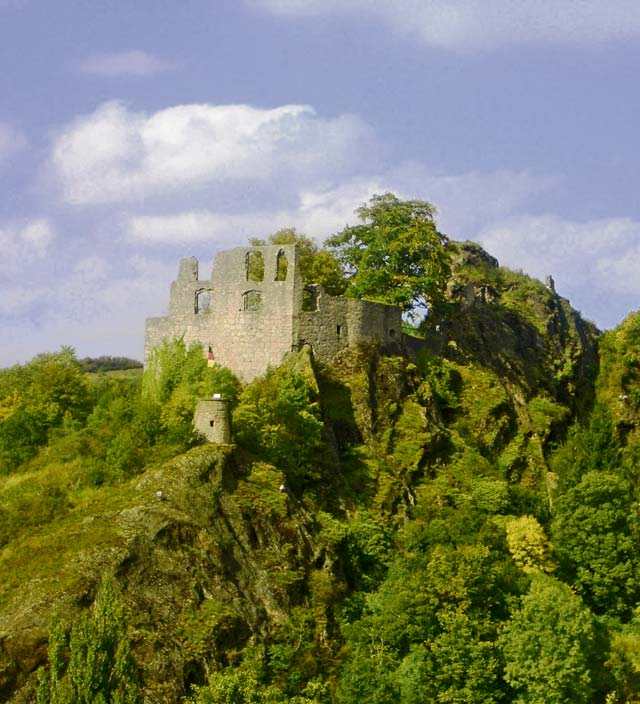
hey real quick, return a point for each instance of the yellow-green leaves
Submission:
(529, 545)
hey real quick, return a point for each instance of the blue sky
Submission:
(132, 134)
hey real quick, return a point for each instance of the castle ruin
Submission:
(255, 308)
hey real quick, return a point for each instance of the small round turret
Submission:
(212, 419)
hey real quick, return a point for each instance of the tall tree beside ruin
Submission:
(396, 256)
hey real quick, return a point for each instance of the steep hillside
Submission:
(381, 531)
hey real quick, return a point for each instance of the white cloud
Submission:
(595, 263)
(117, 155)
(317, 216)
(12, 141)
(466, 25)
(125, 63)
(195, 226)
(24, 243)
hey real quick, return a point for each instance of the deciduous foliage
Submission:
(548, 645)
(278, 418)
(37, 397)
(426, 633)
(624, 662)
(396, 255)
(529, 545)
(593, 446)
(176, 376)
(92, 662)
(596, 530)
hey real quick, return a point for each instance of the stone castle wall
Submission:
(250, 324)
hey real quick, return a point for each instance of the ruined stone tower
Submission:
(212, 420)
(255, 308)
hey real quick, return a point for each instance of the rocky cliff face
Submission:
(221, 559)
(528, 349)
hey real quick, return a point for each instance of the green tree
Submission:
(231, 687)
(529, 545)
(455, 667)
(37, 397)
(624, 662)
(595, 533)
(176, 376)
(242, 686)
(278, 418)
(594, 446)
(548, 644)
(396, 255)
(91, 663)
(427, 633)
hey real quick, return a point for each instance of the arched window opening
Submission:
(202, 302)
(309, 299)
(282, 266)
(255, 266)
(392, 332)
(252, 300)
(338, 330)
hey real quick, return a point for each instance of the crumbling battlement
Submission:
(255, 308)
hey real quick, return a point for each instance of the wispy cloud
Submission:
(24, 243)
(466, 202)
(125, 63)
(469, 25)
(98, 306)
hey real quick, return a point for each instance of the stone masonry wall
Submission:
(244, 336)
(342, 322)
(250, 325)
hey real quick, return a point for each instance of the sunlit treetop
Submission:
(396, 256)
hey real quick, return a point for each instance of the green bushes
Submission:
(176, 376)
(90, 662)
(35, 398)
(278, 418)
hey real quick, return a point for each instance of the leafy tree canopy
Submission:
(396, 255)
(36, 397)
(278, 418)
(596, 529)
(548, 644)
(91, 661)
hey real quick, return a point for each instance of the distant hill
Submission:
(108, 364)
